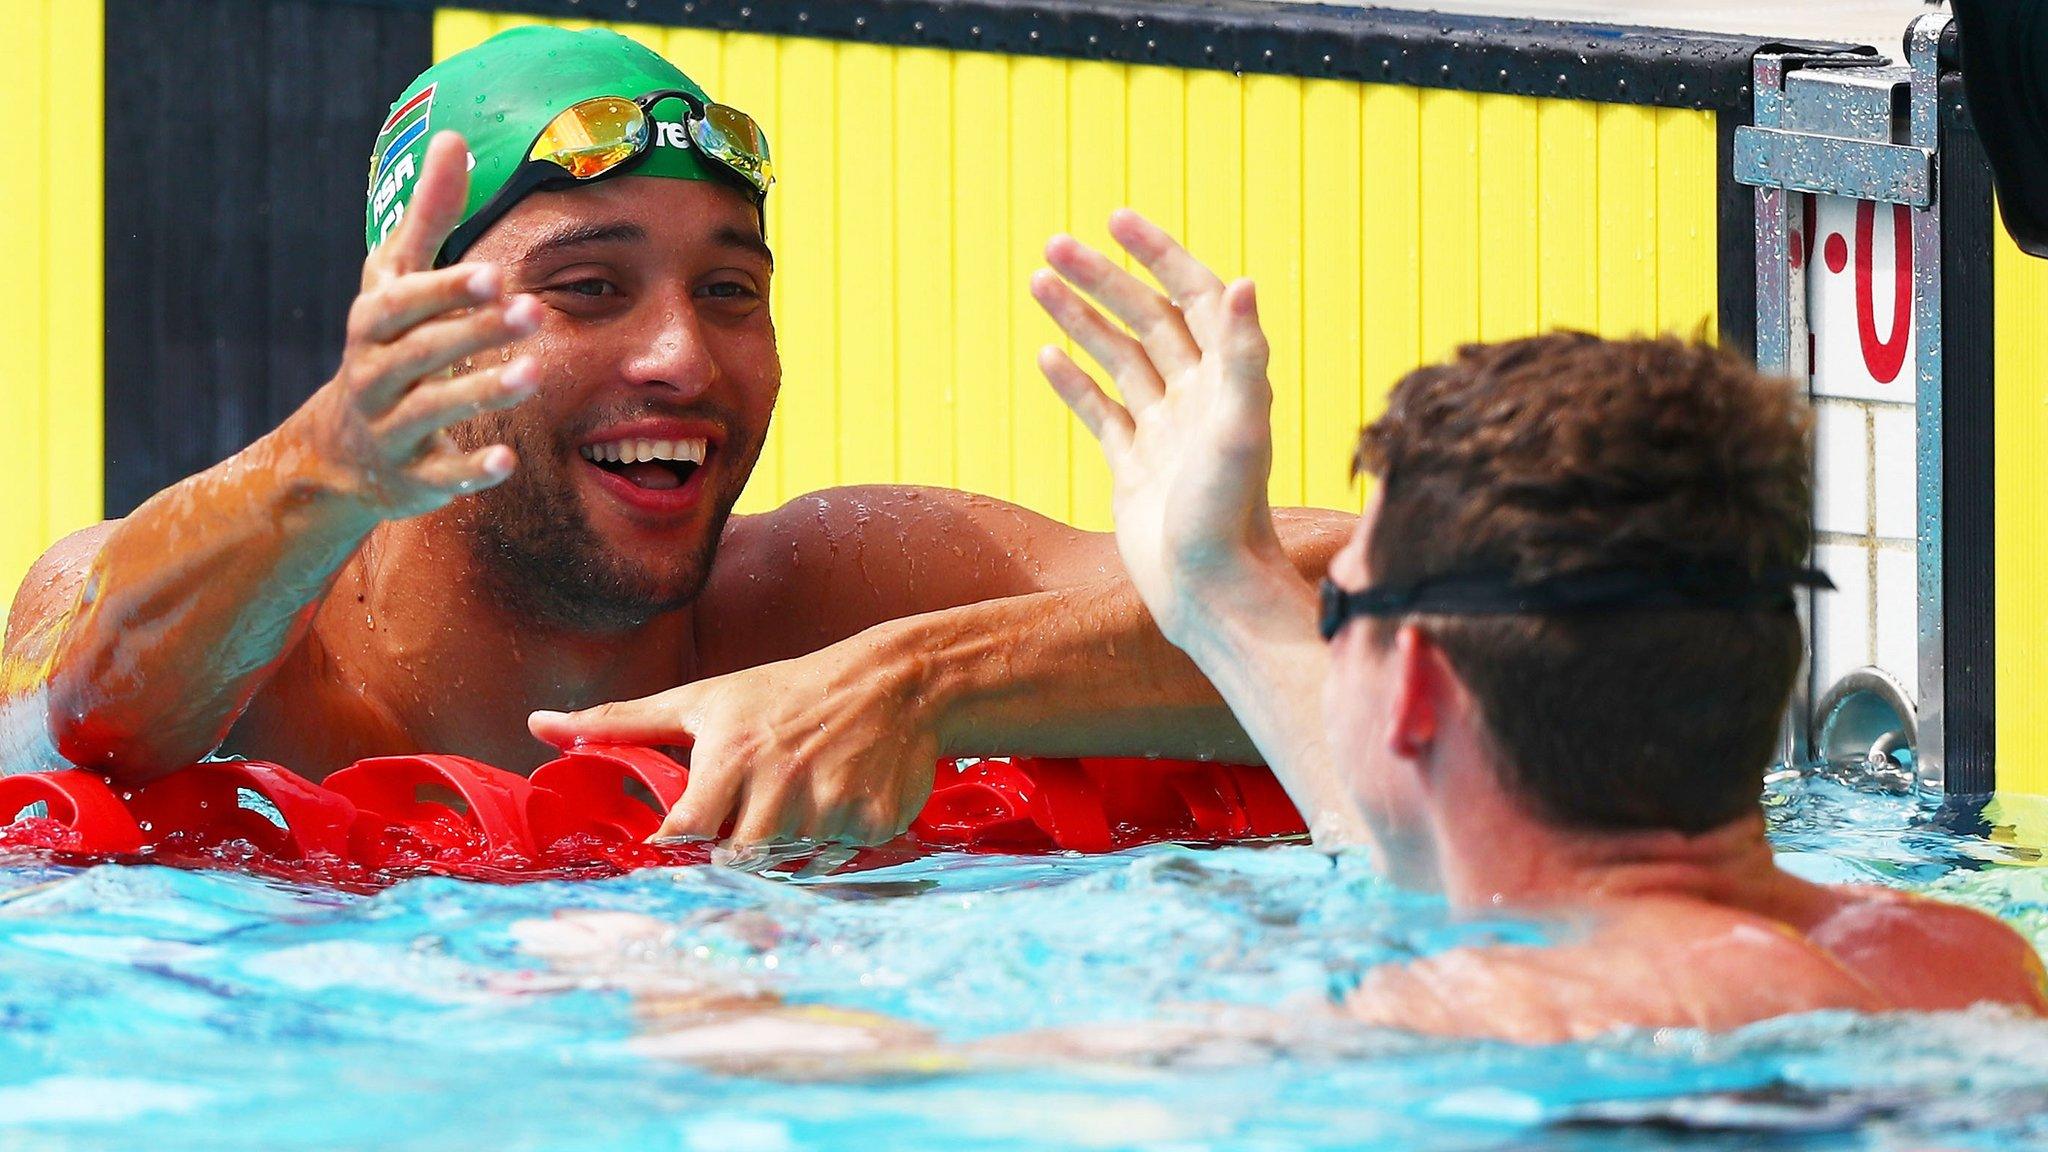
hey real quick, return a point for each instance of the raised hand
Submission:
(1190, 445)
(377, 432)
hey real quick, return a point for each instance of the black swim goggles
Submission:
(608, 135)
(1493, 592)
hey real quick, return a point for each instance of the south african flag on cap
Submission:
(407, 123)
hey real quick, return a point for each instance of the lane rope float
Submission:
(591, 810)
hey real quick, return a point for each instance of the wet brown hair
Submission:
(1568, 452)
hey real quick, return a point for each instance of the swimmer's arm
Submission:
(851, 638)
(147, 640)
(1084, 671)
(1025, 636)
(1062, 658)
(147, 636)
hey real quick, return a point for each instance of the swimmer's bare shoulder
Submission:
(832, 563)
(1930, 955)
(303, 715)
(1653, 964)
(45, 596)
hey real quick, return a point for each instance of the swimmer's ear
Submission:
(1422, 682)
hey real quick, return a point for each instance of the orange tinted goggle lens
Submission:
(731, 137)
(593, 137)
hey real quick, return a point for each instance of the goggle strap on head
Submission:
(747, 160)
(1495, 592)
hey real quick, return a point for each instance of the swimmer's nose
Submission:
(673, 354)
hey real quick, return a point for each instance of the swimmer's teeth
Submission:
(642, 451)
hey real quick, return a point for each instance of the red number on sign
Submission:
(1885, 358)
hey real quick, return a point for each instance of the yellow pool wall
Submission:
(1385, 226)
(52, 230)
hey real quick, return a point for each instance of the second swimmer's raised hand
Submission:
(376, 435)
(1191, 444)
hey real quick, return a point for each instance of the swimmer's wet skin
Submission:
(511, 510)
(1559, 648)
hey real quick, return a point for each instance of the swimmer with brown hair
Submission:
(1552, 663)
(1549, 675)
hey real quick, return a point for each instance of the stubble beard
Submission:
(532, 539)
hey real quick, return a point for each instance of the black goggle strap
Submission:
(1497, 593)
(535, 174)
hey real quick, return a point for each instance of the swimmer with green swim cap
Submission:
(544, 108)
(511, 510)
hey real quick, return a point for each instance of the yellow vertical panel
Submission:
(1333, 269)
(1391, 225)
(1213, 171)
(864, 169)
(1509, 251)
(1688, 261)
(747, 80)
(1568, 215)
(1272, 256)
(748, 72)
(458, 29)
(926, 381)
(2020, 454)
(1450, 221)
(25, 90)
(1156, 127)
(699, 53)
(983, 287)
(807, 226)
(1628, 220)
(1097, 175)
(74, 290)
(1041, 428)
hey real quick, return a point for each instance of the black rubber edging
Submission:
(236, 139)
(1488, 54)
(1969, 227)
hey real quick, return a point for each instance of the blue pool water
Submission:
(1065, 1003)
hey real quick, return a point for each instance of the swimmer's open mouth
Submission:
(657, 465)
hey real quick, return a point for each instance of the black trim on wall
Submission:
(1610, 63)
(1735, 242)
(236, 137)
(1969, 376)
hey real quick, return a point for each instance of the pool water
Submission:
(1112, 1002)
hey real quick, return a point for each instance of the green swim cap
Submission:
(503, 92)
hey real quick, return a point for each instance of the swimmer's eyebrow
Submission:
(727, 236)
(578, 235)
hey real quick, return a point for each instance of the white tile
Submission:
(1898, 614)
(1841, 619)
(1895, 462)
(1841, 469)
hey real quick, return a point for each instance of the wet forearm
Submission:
(190, 604)
(1259, 646)
(1072, 672)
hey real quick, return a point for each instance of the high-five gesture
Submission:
(1191, 443)
(1191, 448)
(378, 429)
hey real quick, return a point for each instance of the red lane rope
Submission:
(590, 812)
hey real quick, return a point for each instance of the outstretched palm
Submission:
(1191, 444)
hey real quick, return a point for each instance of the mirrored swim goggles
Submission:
(1497, 593)
(608, 135)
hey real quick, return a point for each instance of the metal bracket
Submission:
(1858, 169)
(1836, 126)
